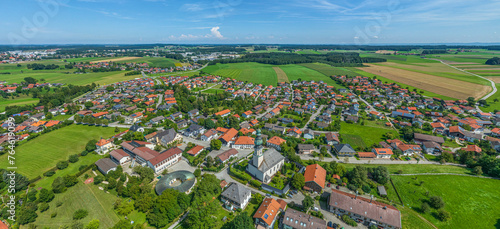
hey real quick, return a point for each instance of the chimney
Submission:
(371, 198)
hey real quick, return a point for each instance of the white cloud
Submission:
(215, 32)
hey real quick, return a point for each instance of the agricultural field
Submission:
(282, 77)
(464, 198)
(248, 71)
(66, 76)
(117, 59)
(295, 72)
(359, 72)
(20, 101)
(50, 148)
(153, 61)
(448, 87)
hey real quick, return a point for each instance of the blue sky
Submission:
(255, 21)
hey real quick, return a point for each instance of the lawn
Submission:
(37, 156)
(354, 140)
(370, 135)
(21, 100)
(248, 71)
(472, 202)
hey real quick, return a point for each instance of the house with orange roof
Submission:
(223, 113)
(275, 142)
(254, 122)
(315, 178)
(472, 148)
(246, 131)
(382, 152)
(103, 146)
(52, 123)
(39, 123)
(366, 155)
(228, 137)
(247, 114)
(99, 114)
(266, 214)
(195, 150)
(243, 142)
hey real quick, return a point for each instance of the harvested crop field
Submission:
(117, 59)
(281, 75)
(439, 85)
(495, 79)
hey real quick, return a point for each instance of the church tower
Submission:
(257, 154)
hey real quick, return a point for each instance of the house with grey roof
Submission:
(344, 150)
(105, 165)
(168, 136)
(236, 196)
(299, 220)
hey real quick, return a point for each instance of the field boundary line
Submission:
(437, 174)
(424, 219)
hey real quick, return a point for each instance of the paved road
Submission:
(267, 111)
(160, 100)
(313, 117)
(209, 87)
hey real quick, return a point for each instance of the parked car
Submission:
(268, 195)
(290, 195)
(338, 187)
(330, 224)
(328, 185)
(316, 209)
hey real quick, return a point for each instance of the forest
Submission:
(335, 59)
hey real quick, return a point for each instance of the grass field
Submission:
(21, 100)
(295, 72)
(249, 71)
(117, 59)
(42, 153)
(369, 135)
(472, 202)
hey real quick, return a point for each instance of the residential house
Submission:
(364, 210)
(332, 138)
(293, 219)
(344, 150)
(382, 152)
(226, 155)
(266, 214)
(315, 178)
(236, 196)
(306, 148)
(275, 142)
(103, 146)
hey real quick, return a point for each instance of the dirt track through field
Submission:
(282, 77)
(116, 59)
(439, 85)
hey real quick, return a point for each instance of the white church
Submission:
(264, 165)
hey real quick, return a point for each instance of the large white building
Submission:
(264, 166)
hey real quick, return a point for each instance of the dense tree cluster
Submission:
(493, 61)
(36, 66)
(337, 59)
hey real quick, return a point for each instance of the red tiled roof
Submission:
(315, 173)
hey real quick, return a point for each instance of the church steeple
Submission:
(257, 154)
